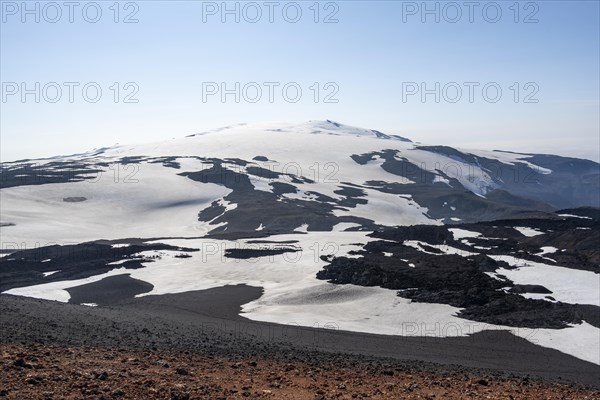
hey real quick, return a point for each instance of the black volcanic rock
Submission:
(529, 289)
(247, 253)
(430, 275)
(71, 262)
(110, 290)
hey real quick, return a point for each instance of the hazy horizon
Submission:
(465, 146)
(410, 68)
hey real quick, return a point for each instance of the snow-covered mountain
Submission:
(271, 205)
(277, 178)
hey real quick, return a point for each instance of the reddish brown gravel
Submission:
(51, 372)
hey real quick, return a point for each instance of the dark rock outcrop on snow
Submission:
(430, 275)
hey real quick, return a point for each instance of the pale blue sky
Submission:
(369, 53)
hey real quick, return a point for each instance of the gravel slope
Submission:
(208, 322)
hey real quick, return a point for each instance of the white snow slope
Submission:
(152, 200)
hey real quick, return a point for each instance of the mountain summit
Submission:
(250, 179)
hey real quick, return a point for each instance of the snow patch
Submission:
(529, 232)
(463, 233)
